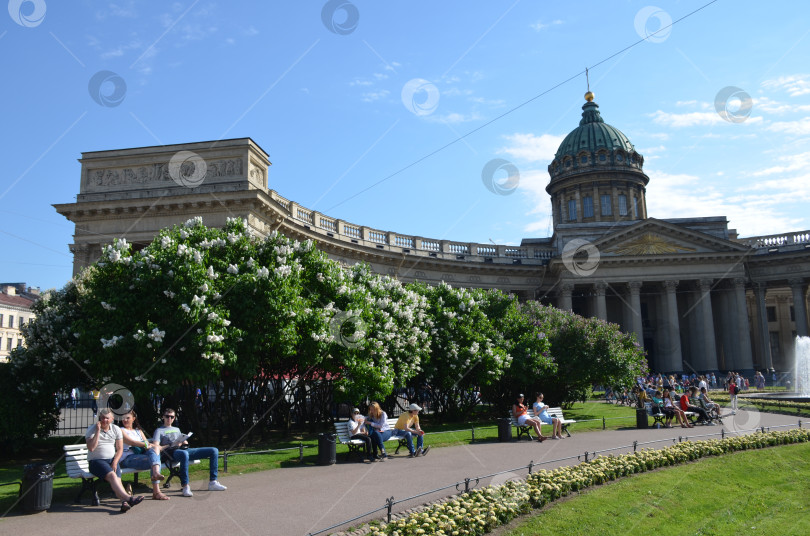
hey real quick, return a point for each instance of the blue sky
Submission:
(344, 94)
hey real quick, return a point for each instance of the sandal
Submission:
(160, 497)
(157, 476)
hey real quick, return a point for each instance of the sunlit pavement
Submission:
(299, 500)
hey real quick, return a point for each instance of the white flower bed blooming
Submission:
(480, 511)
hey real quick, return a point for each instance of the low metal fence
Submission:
(469, 483)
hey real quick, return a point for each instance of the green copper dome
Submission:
(593, 134)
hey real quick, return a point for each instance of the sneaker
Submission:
(424, 451)
(187, 491)
(413, 454)
(216, 486)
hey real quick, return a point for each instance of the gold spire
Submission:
(589, 94)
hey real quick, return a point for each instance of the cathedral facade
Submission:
(698, 297)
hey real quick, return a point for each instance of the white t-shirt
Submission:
(132, 434)
(105, 450)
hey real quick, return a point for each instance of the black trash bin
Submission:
(327, 454)
(504, 430)
(36, 491)
(641, 418)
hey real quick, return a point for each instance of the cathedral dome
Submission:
(596, 174)
(592, 146)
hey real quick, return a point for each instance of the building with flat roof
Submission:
(16, 302)
(698, 297)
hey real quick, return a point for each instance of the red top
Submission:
(731, 387)
(521, 410)
(684, 402)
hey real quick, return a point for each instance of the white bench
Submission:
(556, 413)
(356, 445)
(77, 466)
(659, 416)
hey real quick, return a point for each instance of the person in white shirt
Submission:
(105, 443)
(168, 434)
(358, 430)
(139, 453)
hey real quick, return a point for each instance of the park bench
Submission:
(356, 445)
(656, 412)
(557, 413)
(77, 466)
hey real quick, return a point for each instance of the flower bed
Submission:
(480, 511)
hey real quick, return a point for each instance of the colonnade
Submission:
(694, 325)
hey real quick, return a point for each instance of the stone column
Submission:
(708, 360)
(799, 307)
(743, 361)
(762, 325)
(578, 202)
(597, 204)
(564, 296)
(601, 306)
(635, 311)
(672, 358)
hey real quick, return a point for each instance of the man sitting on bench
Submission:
(407, 426)
(168, 434)
(703, 417)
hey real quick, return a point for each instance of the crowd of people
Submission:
(112, 448)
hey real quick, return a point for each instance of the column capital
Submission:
(797, 282)
(600, 287)
(634, 286)
(760, 286)
(566, 288)
(738, 282)
(705, 285)
(670, 285)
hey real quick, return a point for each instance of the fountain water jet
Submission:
(802, 372)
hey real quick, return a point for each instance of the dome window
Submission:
(602, 157)
(619, 157)
(583, 159)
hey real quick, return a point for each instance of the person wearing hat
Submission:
(407, 426)
(358, 430)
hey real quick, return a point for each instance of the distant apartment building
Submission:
(16, 302)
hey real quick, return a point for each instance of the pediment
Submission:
(655, 237)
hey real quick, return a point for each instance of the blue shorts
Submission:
(100, 468)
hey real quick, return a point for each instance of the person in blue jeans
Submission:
(168, 434)
(408, 426)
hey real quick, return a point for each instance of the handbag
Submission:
(137, 450)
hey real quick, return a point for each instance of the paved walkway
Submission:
(299, 500)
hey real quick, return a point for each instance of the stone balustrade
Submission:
(411, 245)
(779, 240)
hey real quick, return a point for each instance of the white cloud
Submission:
(453, 118)
(752, 214)
(540, 25)
(689, 119)
(799, 127)
(764, 104)
(372, 96)
(359, 82)
(795, 85)
(789, 163)
(532, 148)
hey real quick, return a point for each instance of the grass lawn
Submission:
(440, 435)
(751, 492)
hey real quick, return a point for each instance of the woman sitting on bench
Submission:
(139, 453)
(521, 415)
(541, 412)
(358, 430)
(670, 410)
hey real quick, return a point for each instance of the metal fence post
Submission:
(300, 452)
(722, 433)
(466, 485)
(472, 428)
(531, 464)
(800, 423)
(603, 423)
(389, 502)
(635, 444)
(586, 455)
(225, 461)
